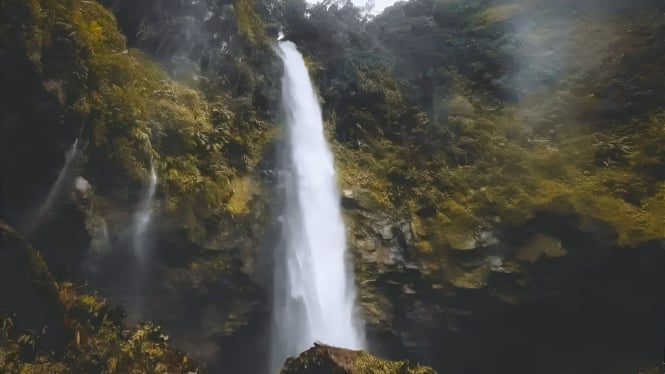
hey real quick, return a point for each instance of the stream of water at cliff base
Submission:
(314, 290)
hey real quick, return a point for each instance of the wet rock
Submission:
(386, 233)
(359, 199)
(82, 186)
(464, 244)
(479, 239)
(380, 240)
(347, 193)
(474, 278)
(323, 359)
(497, 264)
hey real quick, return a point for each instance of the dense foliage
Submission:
(99, 344)
(481, 114)
(134, 117)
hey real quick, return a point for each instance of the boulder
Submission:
(360, 199)
(324, 359)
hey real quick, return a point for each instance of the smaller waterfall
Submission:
(57, 188)
(136, 275)
(142, 220)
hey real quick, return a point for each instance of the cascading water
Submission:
(314, 291)
(142, 219)
(137, 274)
(56, 189)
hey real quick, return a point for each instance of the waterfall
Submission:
(314, 291)
(57, 187)
(136, 273)
(106, 240)
(142, 219)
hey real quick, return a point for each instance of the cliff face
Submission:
(500, 162)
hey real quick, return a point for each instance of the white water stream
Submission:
(57, 188)
(142, 219)
(314, 288)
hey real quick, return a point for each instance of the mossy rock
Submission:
(323, 359)
(540, 246)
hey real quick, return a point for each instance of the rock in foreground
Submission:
(322, 359)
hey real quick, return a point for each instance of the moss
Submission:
(250, 25)
(466, 278)
(314, 67)
(481, 165)
(499, 13)
(357, 171)
(242, 192)
(102, 345)
(591, 196)
(539, 246)
(495, 174)
(134, 115)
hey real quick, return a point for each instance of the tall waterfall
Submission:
(314, 288)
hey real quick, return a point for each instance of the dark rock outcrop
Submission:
(324, 359)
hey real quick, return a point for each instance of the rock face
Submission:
(529, 290)
(323, 359)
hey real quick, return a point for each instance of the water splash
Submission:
(314, 292)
